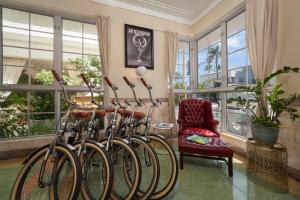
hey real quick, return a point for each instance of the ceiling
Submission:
(183, 11)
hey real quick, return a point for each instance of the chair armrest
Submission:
(213, 125)
(180, 125)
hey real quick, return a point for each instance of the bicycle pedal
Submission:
(95, 164)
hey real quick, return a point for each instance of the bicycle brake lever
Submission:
(127, 103)
(141, 101)
(113, 102)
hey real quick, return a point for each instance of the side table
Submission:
(267, 165)
(165, 126)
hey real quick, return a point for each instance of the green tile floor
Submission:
(199, 180)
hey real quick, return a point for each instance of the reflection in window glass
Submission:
(80, 53)
(215, 99)
(178, 98)
(209, 60)
(41, 40)
(22, 65)
(26, 113)
(237, 120)
(182, 72)
(15, 37)
(41, 23)
(239, 69)
(15, 18)
(28, 55)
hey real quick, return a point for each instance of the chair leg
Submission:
(181, 160)
(230, 169)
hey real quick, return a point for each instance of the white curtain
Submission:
(262, 28)
(172, 48)
(103, 29)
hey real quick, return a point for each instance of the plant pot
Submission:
(264, 134)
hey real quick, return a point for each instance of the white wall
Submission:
(288, 54)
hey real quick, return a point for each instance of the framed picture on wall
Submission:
(138, 47)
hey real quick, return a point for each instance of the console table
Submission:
(267, 165)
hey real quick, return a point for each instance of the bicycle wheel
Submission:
(122, 155)
(64, 184)
(149, 168)
(97, 173)
(168, 166)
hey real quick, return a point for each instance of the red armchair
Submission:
(196, 117)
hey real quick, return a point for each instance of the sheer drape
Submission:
(261, 31)
(172, 48)
(103, 29)
(262, 28)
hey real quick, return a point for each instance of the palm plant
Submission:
(214, 54)
(270, 104)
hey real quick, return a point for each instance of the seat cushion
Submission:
(215, 148)
(198, 131)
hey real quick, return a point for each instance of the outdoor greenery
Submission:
(14, 106)
(269, 104)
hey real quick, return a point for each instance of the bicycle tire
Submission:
(64, 151)
(93, 147)
(124, 144)
(144, 194)
(161, 193)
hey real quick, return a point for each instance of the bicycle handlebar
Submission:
(85, 79)
(144, 82)
(56, 76)
(108, 81)
(127, 81)
(59, 80)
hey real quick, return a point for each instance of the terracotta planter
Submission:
(264, 134)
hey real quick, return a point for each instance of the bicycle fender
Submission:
(32, 154)
(122, 139)
(158, 135)
(95, 142)
(142, 138)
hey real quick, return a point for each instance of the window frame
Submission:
(58, 18)
(224, 88)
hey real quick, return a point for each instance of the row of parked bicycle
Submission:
(127, 162)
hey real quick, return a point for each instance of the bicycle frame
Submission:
(111, 127)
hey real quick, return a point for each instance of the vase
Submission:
(264, 134)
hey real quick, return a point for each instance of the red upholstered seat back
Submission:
(195, 113)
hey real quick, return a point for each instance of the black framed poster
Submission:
(138, 47)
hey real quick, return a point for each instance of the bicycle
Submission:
(163, 149)
(51, 172)
(96, 166)
(147, 156)
(123, 157)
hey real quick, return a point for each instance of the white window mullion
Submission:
(57, 53)
(1, 48)
(224, 76)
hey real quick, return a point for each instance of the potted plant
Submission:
(265, 119)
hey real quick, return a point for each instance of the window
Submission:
(217, 78)
(182, 73)
(209, 60)
(28, 106)
(216, 100)
(239, 70)
(27, 47)
(80, 52)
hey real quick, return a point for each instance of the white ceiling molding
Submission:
(179, 11)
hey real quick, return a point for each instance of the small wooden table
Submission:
(267, 165)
